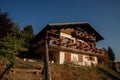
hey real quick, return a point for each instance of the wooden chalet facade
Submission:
(69, 43)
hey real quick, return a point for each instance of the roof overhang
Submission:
(57, 26)
(84, 25)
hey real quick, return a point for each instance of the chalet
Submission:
(69, 43)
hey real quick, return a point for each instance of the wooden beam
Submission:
(60, 48)
(46, 63)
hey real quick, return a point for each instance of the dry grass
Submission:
(61, 72)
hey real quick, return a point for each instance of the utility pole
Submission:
(46, 62)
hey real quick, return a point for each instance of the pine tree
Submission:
(111, 54)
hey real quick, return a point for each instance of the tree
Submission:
(24, 37)
(111, 54)
(6, 42)
(111, 58)
(12, 39)
(27, 34)
(15, 28)
(28, 29)
(5, 24)
(8, 48)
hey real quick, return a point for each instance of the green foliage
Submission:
(8, 47)
(6, 42)
(12, 38)
(15, 28)
(27, 35)
(28, 29)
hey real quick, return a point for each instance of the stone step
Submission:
(24, 74)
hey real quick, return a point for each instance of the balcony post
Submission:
(46, 62)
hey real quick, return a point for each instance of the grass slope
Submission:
(62, 72)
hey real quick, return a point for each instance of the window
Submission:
(67, 57)
(92, 58)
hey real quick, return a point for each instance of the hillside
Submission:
(22, 70)
(61, 72)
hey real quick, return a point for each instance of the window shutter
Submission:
(67, 57)
(80, 57)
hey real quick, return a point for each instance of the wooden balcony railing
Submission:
(73, 47)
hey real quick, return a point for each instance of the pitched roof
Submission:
(57, 26)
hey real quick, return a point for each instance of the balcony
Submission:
(69, 46)
(84, 35)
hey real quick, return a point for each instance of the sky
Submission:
(103, 15)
